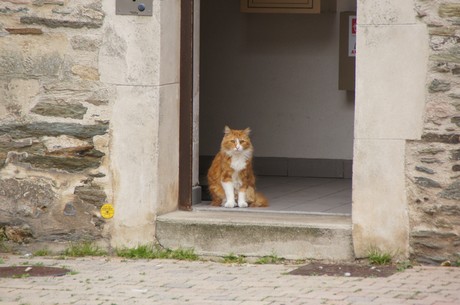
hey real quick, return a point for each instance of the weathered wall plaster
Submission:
(145, 122)
(390, 99)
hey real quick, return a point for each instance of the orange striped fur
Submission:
(231, 178)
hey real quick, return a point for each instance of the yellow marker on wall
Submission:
(107, 211)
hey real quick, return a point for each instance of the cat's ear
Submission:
(226, 129)
(247, 131)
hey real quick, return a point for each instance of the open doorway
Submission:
(278, 74)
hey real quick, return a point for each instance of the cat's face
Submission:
(236, 140)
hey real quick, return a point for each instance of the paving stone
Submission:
(113, 281)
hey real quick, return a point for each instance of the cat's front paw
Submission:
(243, 204)
(230, 204)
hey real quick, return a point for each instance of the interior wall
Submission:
(278, 74)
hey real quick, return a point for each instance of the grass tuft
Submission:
(270, 259)
(377, 257)
(141, 251)
(42, 252)
(155, 252)
(184, 254)
(403, 265)
(232, 258)
(84, 248)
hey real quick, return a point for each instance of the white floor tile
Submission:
(305, 195)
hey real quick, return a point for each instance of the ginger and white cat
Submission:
(231, 175)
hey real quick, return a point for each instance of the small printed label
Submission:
(352, 36)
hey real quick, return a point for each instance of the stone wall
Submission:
(54, 121)
(433, 163)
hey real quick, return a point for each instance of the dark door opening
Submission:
(278, 74)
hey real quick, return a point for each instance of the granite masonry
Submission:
(433, 163)
(54, 121)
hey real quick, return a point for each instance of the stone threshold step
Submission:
(287, 235)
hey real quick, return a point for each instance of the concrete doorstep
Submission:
(256, 234)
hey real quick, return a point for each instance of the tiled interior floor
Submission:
(301, 195)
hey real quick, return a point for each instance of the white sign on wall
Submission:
(352, 36)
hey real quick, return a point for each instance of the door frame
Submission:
(186, 105)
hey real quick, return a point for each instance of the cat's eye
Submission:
(233, 141)
(242, 141)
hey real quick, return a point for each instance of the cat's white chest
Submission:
(238, 162)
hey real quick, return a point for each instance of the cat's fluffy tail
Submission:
(261, 201)
(256, 199)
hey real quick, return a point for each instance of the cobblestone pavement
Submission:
(123, 282)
